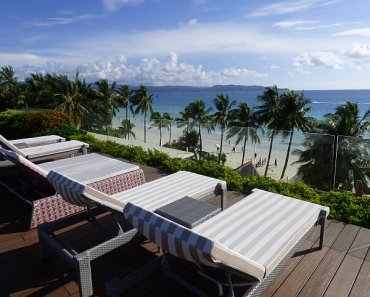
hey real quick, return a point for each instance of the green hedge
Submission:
(19, 124)
(343, 205)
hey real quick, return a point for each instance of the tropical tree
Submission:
(69, 98)
(108, 96)
(294, 107)
(342, 155)
(200, 118)
(142, 103)
(12, 93)
(169, 119)
(269, 114)
(123, 97)
(184, 120)
(222, 116)
(126, 129)
(160, 121)
(244, 126)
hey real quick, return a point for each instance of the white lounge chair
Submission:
(35, 141)
(251, 239)
(151, 195)
(48, 151)
(103, 173)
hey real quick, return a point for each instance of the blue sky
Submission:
(301, 44)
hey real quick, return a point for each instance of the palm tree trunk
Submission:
(222, 137)
(245, 143)
(160, 135)
(145, 127)
(269, 156)
(127, 124)
(200, 143)
(287, 154)
(170, 133)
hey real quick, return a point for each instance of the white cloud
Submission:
(364, 32)
(294, 23)
(19, 58)
(63, 20)
(114, 5)
(317, 59)
(150, 71)
(238, 72)
(193, 22)
(359, 51)
(282, 8)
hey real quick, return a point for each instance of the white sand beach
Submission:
(210, 143)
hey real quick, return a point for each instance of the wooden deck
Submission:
(342, 268)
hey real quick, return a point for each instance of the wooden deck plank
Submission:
(361, 286)
(302, 272)
(324, 273)
(345, 276)
(22, 273)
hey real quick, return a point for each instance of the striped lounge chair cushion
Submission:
(263, 227)
(26, 164)
(170, 236)
(71, 190)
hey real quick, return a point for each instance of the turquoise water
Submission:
(322, 101)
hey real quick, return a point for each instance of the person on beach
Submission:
(275, 162)
(217, 147)
(233, 149)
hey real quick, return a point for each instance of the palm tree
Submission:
(12, 93)
(200, 118)
(123, 96)
(222, 115)
(109, 98)
(184, 120)
(143, 103)
(169, 118)
(294, 107)
(159, 120)
(269, 114)
(243, 125)
(126, 129)
(70, 101)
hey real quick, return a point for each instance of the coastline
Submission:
(234, 158)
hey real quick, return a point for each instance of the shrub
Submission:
(63, 130)
(343, 206)
(12, 124)
(39, 121)
(19, 124)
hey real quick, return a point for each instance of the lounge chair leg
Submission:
(223, 192)
(322, 222)
(84, 275)
(230, 284)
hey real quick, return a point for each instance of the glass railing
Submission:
(322, 161)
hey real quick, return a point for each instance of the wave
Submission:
(338, 103)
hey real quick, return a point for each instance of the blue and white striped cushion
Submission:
(170, 236)
(71, 190)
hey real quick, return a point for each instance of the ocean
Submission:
(322, 101)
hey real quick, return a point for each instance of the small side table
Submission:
(188, 211)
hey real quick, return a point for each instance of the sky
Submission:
(300, 44)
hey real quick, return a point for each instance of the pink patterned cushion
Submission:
(120, 183)
(55, 207)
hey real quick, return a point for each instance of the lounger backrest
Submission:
(24, 163)
(170, 236)
(71, 190)
(11, 146)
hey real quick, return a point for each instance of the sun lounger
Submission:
(252, 238)
(48, 151)
(151, 195)
(35, 141)
(103, 173)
